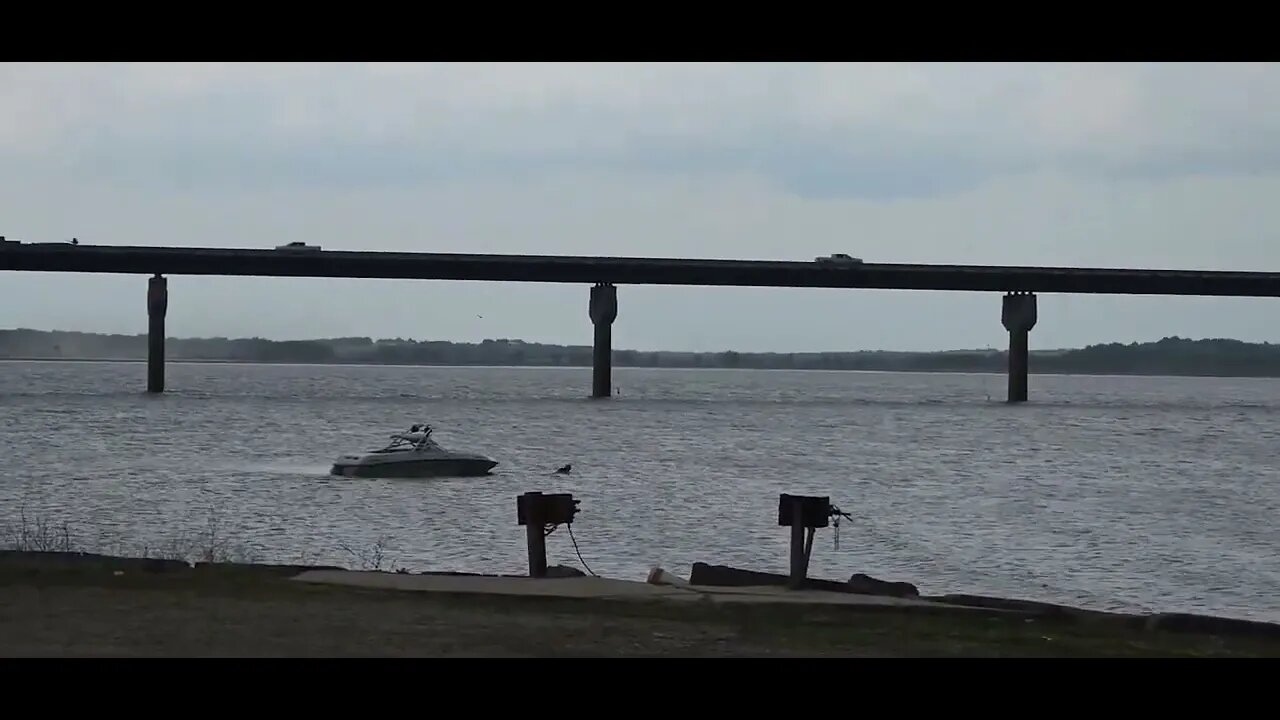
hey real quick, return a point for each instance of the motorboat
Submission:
(413, 454)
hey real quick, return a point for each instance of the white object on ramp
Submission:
(658, 576)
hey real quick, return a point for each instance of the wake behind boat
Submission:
(413, 454)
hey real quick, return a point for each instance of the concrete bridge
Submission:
(1019, 285)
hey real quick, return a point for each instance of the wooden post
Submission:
(537, 550)
(533, 516)
(798, 564)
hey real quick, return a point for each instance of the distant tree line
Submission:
(1169, 356)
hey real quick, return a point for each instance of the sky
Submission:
(1114, 165)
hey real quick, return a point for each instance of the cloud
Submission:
(875, 131)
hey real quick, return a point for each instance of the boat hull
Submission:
(416, 468)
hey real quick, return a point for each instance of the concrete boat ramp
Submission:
(606, 589)
(665, 587)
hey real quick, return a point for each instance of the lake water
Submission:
(1108, 492)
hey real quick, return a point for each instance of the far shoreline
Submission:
(1167, 357)
(616, 366)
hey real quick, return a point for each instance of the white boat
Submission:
(412, 454)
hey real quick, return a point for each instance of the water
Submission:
(1129, 493)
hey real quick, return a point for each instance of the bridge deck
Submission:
(62, 257)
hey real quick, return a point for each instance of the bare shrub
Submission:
(37, 535)
(373, 558)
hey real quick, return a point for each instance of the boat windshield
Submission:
(418, 438)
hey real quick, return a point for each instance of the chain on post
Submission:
(835, 514)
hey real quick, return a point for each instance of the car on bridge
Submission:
(298, 246)
(838, 259)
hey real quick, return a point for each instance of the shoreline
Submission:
(119, 605)
(617, 366)
(207, 580)
(700, 574)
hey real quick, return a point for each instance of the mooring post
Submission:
(157, 306)
(1018, 315)
(529, 514)
(799, 566)
(800, 513)
(603, 311)
(535, 511)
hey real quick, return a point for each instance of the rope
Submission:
(579, 553)
(552, 528)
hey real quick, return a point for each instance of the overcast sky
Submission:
(1166, 165)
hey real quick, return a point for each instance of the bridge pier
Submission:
(1018, 315)
(603, 310)
(157, 306)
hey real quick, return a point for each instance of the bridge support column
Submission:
(1018, 317)
(157, 306)
(604, 310)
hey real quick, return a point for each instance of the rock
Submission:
(461, 573)
(1186, 622)
(867, 585)
(726, 576)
